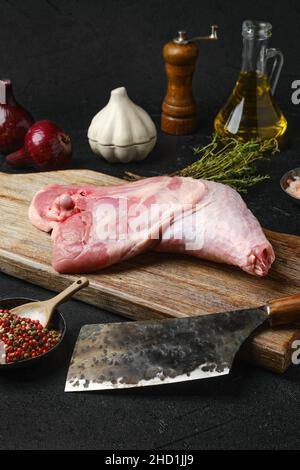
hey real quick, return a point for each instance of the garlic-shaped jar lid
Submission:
(122, 123)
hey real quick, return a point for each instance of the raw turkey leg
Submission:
(226, 230)
(93, 227)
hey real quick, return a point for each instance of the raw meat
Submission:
(94, 227)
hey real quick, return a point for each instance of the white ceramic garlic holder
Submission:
(122, 131)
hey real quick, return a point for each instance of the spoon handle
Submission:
(69, 292)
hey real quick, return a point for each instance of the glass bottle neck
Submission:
(254, 55)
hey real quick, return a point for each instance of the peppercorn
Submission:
(25, 338)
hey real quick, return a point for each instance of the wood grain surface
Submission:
(151, 285)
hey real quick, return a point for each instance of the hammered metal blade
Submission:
(135, 354)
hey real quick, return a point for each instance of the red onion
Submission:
(46, 147)
(14, 120)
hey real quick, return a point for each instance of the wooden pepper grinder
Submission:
(179, 116)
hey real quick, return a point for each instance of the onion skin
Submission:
(46, 147)
(14, 120)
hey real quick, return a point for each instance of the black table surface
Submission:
(252, 408)
(64, 57)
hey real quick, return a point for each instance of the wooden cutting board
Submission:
(150, 285)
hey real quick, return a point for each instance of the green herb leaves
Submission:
(230, 161)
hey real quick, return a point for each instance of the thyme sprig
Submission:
(230, 161)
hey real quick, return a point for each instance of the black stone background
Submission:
(64, 57)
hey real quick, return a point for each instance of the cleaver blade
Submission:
(157, 352)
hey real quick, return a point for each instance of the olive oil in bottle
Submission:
(251, 112)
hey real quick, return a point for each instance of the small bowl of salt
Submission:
(290, 184)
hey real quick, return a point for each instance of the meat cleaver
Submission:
(157, 352)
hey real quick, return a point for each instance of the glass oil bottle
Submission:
(251, 111)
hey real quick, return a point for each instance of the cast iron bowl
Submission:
(57, 323)
(290, 175)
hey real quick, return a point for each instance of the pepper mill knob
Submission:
(181, 38)
(179, 109)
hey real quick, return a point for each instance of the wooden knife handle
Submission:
(284, 311)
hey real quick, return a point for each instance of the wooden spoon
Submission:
(43, 311)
